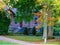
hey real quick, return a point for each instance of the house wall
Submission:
(17, 26)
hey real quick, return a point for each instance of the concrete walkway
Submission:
(16, 41)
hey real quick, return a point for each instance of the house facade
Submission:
(16, 27)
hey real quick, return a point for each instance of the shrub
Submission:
(26, 31)
(37, 33)
(4, 23)
(34, 31)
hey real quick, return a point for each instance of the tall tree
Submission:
(24, 7)
(4, 23)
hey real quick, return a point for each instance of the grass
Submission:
(27, 38)
(34, 39)
(55, 42)
(7, 43)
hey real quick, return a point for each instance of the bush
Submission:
(34, 31)
(4, 23)
(37, 33)
(11, 34)
(26, 31)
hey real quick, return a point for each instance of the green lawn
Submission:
(27, 38)
(55, 42)
(7, 43)
(33, 39)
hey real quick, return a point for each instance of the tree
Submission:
(52, 10)
(2, 4)
(24, 7)
(4, 23)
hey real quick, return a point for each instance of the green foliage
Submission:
(4, 23)
(34, 31)
(24, 7)
(37, 33)
(26, 31)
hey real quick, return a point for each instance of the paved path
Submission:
(16, 41)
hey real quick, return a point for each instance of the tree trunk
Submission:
(50, 32)
(45, 25)
(50, 28)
